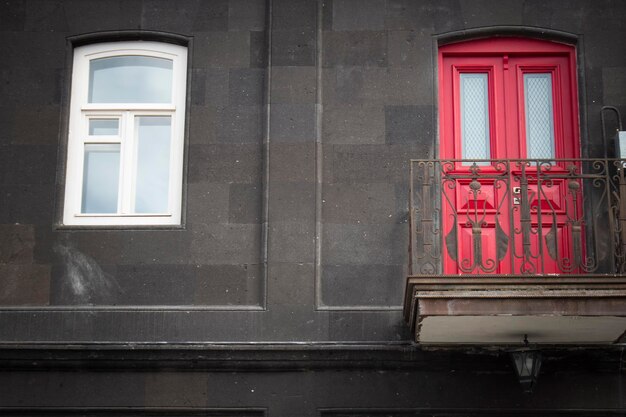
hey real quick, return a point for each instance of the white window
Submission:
(125, 147)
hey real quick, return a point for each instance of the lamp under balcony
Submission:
(527, 364)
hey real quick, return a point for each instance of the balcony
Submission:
(500, 249)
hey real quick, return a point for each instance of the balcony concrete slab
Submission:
(501, 310)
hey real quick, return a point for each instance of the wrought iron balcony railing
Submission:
(517, 217)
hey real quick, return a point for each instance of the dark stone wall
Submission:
(302, 116)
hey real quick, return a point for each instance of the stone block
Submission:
(21, 49)
(363, 48)
(217, 86)
(292, 162)
(371, 85)
(246, 15)
(407, 124)
(614, 86)
(367, 326)
(408, 15)
(202, 125)
(84, 389)
(238, 124)
(207, 203)
(367, 163)
(13, 16)
(84, 16)
(229, 285)
(209, 88)
(151, 246)
(173, 16)
(291, 284)
(29, 164)
(602, 33)
(224, 244)
(359, 244)
(246, 86)
(430, 16)
(27, 85)
(412, 49)
(258, 50)
(294, 48)
(485, 12)
(45, 237)
(594, 88)
(293, 122)
(210, 16)
(296, 322)
(292, 242)
(17, 242)
(611, 12)
(294, 85)
(46, 16)
(176, 389)
(358, 14)
(356, 203)
(35, 125)
(150, 284)
(225, 163)
(294, 15)
(327, 15)
(370, 285)
(244, 203)
(292, 202)
(353, 124)
(27, 204)
(24, 285)
(103, 247)
(222, 50)
(553, 15)
(198, 86)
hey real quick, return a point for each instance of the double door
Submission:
(509, 131)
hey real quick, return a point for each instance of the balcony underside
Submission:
(500, 310)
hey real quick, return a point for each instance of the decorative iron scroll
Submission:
(532, 217)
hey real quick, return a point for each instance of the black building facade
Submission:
(280, 290)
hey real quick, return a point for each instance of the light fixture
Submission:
(527, 363)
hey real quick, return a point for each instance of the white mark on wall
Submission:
(84, 277)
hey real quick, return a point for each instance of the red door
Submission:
(508, 125)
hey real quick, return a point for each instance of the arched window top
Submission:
(529, 33)
(511, 45)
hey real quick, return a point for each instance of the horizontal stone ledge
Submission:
(283, 357)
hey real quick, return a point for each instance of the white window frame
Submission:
(80, 113)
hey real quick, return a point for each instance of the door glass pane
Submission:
(153, 164)
(101, 172)
(103, 127)
(539, 115)
(130, 79)
(475, 116)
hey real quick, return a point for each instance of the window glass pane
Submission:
(153, 164)
(103, 127)
(130, 79)
(100, 178)
(475, 116)
(539, 115)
